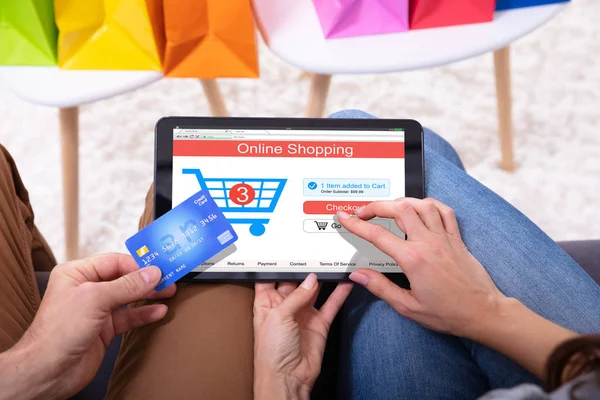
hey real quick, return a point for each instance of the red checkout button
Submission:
(331, 207)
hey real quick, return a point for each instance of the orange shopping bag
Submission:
(208, 39)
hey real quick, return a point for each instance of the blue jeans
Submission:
(386, 356)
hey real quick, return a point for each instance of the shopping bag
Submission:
(348, 18)
(509, 4)
(209, 39)
(27, 32)
(106, 34)
(436, 13)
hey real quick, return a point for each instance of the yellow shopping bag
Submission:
(107, 34)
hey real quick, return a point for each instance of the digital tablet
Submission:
(280, 183)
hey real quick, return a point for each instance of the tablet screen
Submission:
(281, 188)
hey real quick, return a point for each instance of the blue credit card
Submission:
(183, 238)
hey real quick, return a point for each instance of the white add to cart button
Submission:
(333, 226)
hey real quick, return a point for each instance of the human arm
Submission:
(451, 291)
(517, 332)
(267, 387)
(290, 336)
(80, 314)
(25, 376)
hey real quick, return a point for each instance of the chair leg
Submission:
(503, 93)
(319, 89)
(69, 135)
(215, 99)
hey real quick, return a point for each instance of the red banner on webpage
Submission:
(257, 148)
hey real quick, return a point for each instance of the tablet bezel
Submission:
(163, 175)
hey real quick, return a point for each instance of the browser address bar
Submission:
(324, 138)
(286, 132)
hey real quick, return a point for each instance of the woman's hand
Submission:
(290, 336)
(79, 316)
(450, 292)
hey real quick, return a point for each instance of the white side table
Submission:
(292, 31)
(67, 90)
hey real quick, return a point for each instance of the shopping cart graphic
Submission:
(321, 225)
(266, 194)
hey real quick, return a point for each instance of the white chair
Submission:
(292, 31)
(67, 90)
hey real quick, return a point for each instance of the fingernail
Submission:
(359, 278)
(151, 274)
(343, 215)
(160, 311)
(309, 282)
(359, 209)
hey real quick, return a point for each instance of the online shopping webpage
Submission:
(280, 189)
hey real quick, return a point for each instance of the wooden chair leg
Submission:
(503, 93)
(319, 88)
(69, 135)
(215, 99)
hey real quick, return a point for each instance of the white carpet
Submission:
(556, 92)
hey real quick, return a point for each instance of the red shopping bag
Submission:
(436, 13)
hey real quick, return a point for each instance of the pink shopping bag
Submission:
(347, 18)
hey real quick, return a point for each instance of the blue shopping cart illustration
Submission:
(263, 197)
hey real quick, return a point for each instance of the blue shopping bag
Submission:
(509, 4)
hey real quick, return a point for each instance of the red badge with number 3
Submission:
(242, 194)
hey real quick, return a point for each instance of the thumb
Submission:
(400, 299)
(301, 297)
(132, 287)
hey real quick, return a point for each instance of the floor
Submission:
(556, 101)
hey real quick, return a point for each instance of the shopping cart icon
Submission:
(265, 192)
(321, 225)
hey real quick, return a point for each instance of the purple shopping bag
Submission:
(347, 18)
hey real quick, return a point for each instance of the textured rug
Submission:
(556, 89)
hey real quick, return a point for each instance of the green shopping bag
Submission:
(28, 34)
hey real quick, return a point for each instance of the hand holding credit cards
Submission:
(183, 238)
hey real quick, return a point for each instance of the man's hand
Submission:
(82, 311)
(290, 336)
